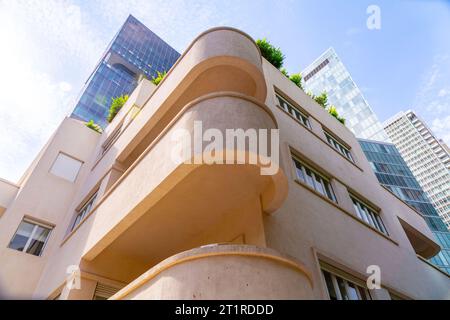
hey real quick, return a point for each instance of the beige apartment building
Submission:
(113, 215)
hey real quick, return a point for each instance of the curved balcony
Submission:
(218, 60)
(222, 272)
(159, 196)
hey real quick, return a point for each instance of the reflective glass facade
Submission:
(134, 51)
(329, 74)
(393, 173)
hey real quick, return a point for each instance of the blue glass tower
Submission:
(134, 51)
(393, 173)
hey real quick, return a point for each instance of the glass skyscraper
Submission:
(393, 173)
(328, 73)
(134, 51)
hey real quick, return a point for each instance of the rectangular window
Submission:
(30, 237)
(84, 210)
(293, 111)
(368, 215)
(343, 289)
(66, 167)
(314, 180)
(339, 147)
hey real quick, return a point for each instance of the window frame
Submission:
(339, 146)
(35, 224)
(324, 181)
(81, 213)
(304, 117)
(366, 213)
(335, 277)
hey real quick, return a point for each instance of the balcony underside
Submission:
(212, 204)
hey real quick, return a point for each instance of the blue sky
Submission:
(52, 46)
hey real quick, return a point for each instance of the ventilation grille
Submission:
(103, 291)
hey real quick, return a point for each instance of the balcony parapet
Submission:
(218, 60)
(223, 272)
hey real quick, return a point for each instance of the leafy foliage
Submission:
(92, 125)
(156, 80)
(322, 99)
(297, 79)
(285, 72)
(274, 55)
(333, 111)
(116, 104)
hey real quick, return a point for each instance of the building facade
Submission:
(135, 51)
(427, 158)
(328, 74)
(393, 173)
(170, 202)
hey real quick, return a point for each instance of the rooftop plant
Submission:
(285, 72)
(333, 111)
(297, 79)
(322, 99)
(116, 104)
(274, 55)
(92, 125)
(160, 75)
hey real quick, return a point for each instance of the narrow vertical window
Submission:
(85, 209)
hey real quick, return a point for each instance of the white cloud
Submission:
(443, 92)
(65, 86)
(32, 105)
(53, 45)
(432, 101)
(441, 128)
(56, 27)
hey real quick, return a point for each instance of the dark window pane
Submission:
(38, 241)
(353, 295)
(342, 290)
(330, 286)
(22, 235)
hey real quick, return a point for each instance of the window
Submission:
(66, 167)
(293, 111)
(30, 237)
(84, 210)
(339, 147)
(342, 289)
(314, 180)
(368, 215)
(111, 139)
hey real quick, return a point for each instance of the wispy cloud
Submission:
(432, 100)
(52, 46)
(40, 36)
